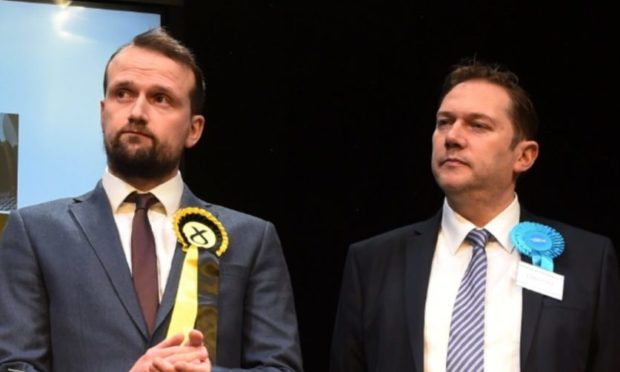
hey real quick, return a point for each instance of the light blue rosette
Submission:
(540, 242)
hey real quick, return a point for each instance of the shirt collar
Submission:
(168, 193)
(456, 227)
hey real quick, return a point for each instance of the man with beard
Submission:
(78, 295)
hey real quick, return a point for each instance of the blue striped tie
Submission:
(466, 345)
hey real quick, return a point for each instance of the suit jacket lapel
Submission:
(93, 214)
(419, 251)
(167, 302)
(532, 302)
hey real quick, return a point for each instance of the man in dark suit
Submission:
(69, 282)
(483, 284)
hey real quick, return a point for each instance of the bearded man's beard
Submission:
(153, 162)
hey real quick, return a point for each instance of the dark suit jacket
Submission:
(67, 301)
(380, 319)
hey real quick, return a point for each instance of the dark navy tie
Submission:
(466, 343)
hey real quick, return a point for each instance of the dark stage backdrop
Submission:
(319, 117)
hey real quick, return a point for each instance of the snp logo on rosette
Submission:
(199, 228)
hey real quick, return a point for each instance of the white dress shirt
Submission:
(503, 296)
(160, 217)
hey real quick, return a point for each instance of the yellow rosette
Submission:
(196, 229)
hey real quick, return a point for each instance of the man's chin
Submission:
(451, 183)
(140, 161)
(135, 149)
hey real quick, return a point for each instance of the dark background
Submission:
(319, 118)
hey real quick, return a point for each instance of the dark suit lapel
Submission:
(167, 302)
(93, 214)
(419, 251)
(532, 302)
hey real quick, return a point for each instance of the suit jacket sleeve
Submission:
(605, 345)
(346, 347)
(270, 335)
(24, 326)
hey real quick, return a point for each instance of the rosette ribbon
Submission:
(540, 242)
(203, 239)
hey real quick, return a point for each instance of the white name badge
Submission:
(540, 280)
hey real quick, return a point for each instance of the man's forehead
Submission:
(137, 61)
(133, 53)
(478, 96)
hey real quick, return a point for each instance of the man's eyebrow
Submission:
(130, 84)
(445, 113)
(161, 88)
(122, 84)
(477, 115)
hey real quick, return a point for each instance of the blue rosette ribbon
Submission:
(540, 242)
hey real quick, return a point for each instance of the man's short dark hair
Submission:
(521, 111)
(159, 40)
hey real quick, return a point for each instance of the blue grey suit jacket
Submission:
(380, 319)
(67, 301)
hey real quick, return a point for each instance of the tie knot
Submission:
(143, 201)
(478, 237)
